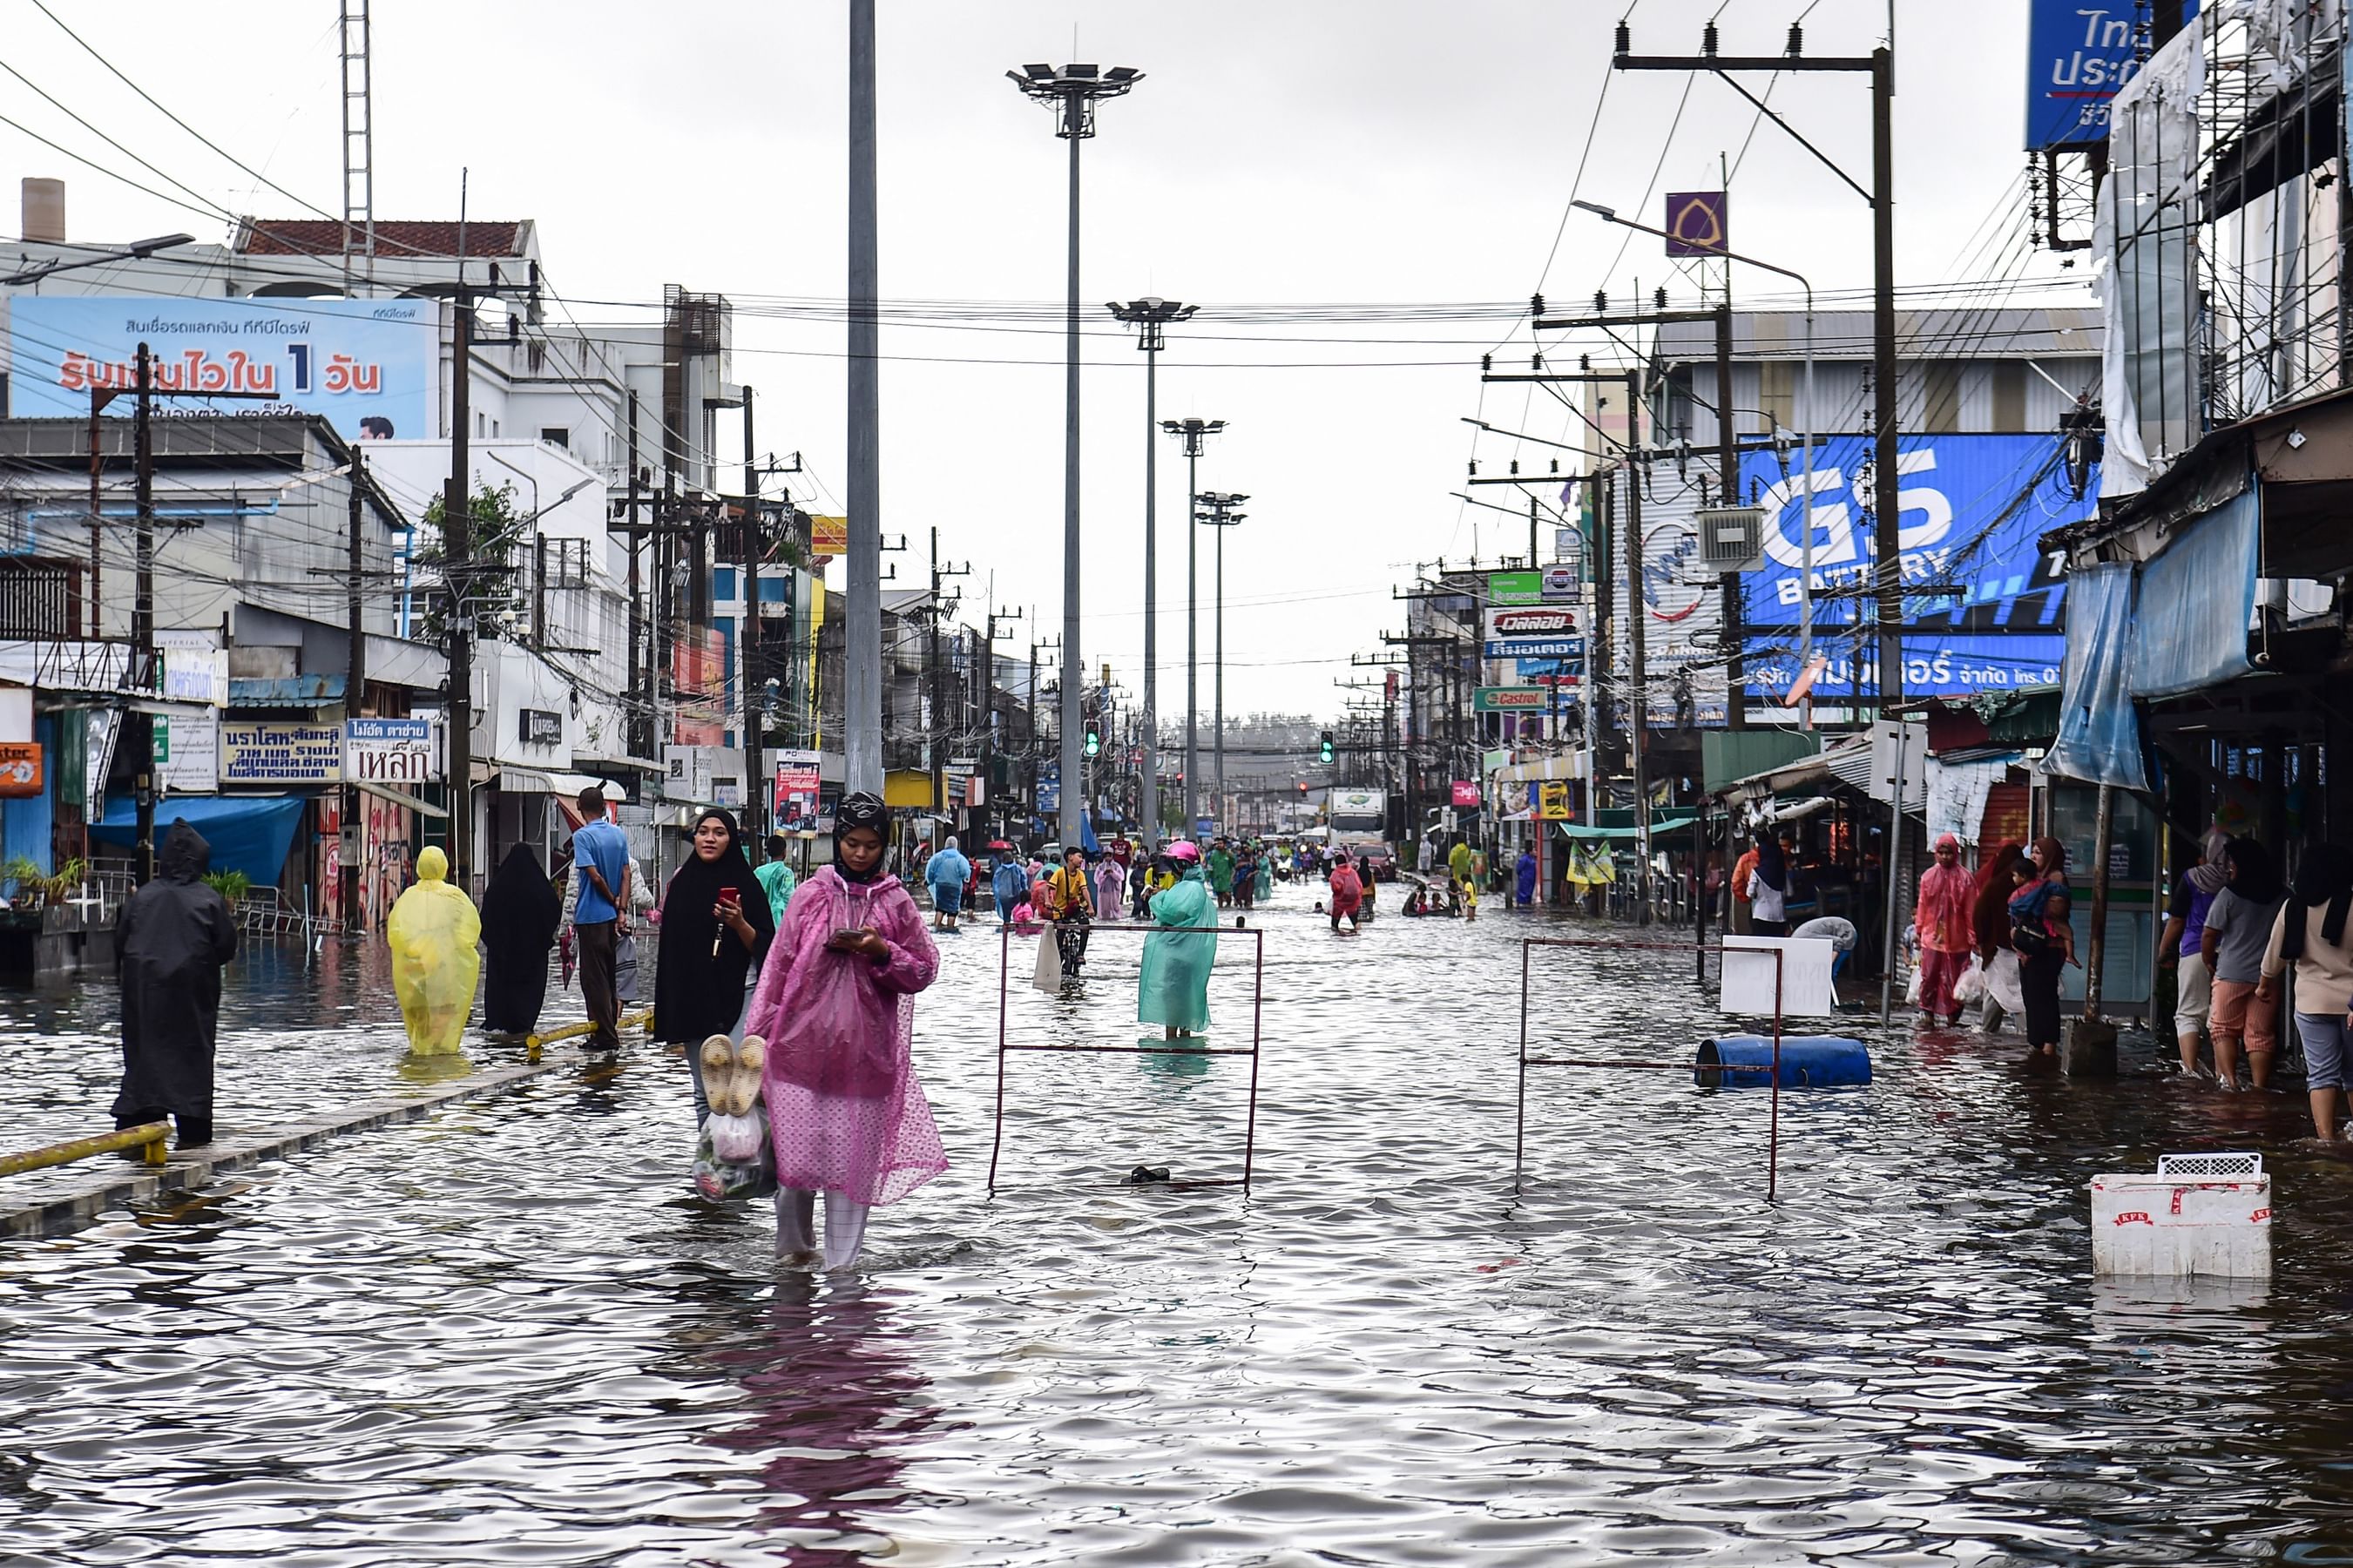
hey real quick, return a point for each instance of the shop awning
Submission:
(1666, 822)
(248, 833)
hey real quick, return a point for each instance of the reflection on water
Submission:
(510, 1333)
(829, 1403)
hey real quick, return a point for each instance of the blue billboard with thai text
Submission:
(367, 365)
(2077, 55)
(1986, 605)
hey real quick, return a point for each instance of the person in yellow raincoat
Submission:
(433, 930)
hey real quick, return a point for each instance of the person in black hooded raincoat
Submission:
(521, 914)
(170, 942)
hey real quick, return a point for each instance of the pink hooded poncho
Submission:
(1348, 890)
(1944, 917)
(845, 1111)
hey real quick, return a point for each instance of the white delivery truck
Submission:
(1359, 823)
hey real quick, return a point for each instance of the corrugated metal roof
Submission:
(2040, 333)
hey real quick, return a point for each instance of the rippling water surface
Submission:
(508, 1334)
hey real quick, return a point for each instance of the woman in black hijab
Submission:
(521, 914)
(715, 928)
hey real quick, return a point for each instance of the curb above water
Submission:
(109, 1186)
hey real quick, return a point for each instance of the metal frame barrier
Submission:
(1258, 1007)
(147, 1138)
(1520, 1130)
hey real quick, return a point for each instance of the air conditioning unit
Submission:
(1731, 537)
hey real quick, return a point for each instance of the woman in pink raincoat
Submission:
(1347, 894)
(835, 1006)
(1945, 921)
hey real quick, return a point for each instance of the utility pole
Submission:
(354, 680)
(1638, 722)
(935, 732)
(99, 399)
(457, 572)
(1150, 315)
(640, 733)
(1194, 434)
(1887, 567)
(143, 615)
(755, 545)
(1040, 645)
(1727, 462)
(1221, 516)
(988, 685)
(862, 643)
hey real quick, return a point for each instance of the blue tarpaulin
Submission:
(2196, 601)
(248, 833)
(2099, 731)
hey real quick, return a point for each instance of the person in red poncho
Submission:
(1944, 923)
(1347, 893)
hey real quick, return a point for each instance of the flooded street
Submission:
(509, 1334)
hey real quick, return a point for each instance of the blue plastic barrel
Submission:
(1807, 1061)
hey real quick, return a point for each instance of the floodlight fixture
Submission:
(1072, 91)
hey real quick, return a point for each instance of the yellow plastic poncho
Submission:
(433, 930)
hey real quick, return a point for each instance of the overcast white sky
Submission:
(1305, 151)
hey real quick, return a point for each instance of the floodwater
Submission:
(507, 1334)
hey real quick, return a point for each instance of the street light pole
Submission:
(1194, 434)
(1150, 315)
(1221, 516)
(1071, 92)
(1805, 421)
(862, 634)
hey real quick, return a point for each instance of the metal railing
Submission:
(147, 1138)
(531, 1042)
(1700, 1070)
(1194, 1047)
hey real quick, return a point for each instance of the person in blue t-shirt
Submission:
(600, 857)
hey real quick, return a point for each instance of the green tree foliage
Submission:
(491, 580)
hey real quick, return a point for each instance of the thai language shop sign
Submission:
(367, 365)
(2077, 56)
(390, 750)
(1973, 512)
(280, 752)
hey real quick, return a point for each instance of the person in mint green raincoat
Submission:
(1173, 989)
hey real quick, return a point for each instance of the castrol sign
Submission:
(1516, 621)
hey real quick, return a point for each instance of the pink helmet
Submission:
(1185, 849)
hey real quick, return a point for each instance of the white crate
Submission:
(2206, 1215)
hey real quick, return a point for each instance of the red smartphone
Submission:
(731, 897)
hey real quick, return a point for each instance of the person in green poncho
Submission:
(1173, 989)
(775, 877)
(1265, 888)
(1221, 871)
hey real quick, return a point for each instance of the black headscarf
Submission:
(520, 915)
(1772, 866)
(858, 811)
(2323, 878)
(698, 991)
(2258, 879)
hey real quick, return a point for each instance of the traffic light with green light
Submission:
(1324, 751)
